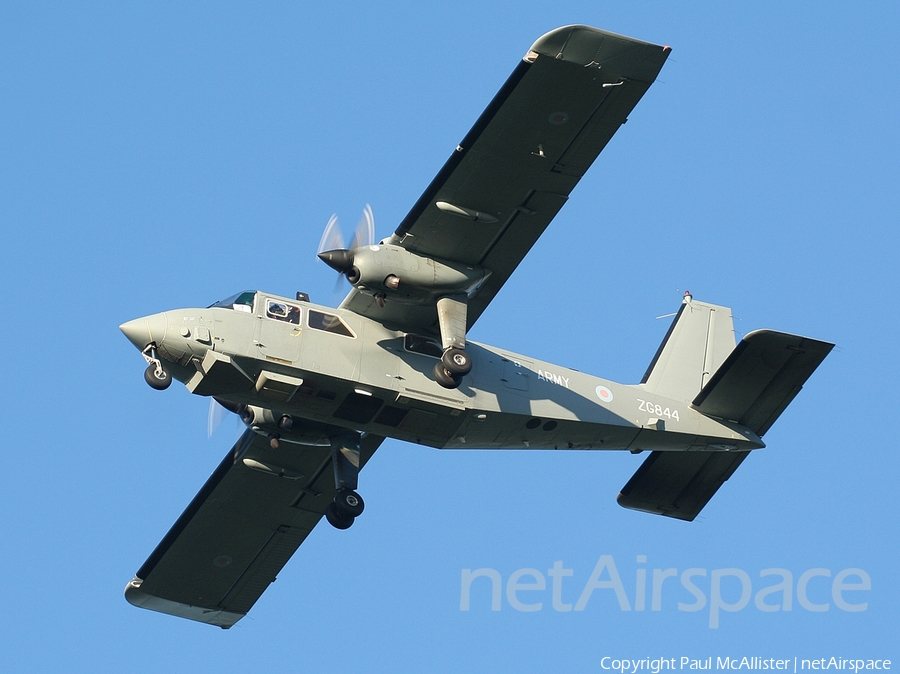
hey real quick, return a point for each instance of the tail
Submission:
(697, 343)
(750, 384)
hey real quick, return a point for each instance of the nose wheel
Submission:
(155, 374)
(157, 377)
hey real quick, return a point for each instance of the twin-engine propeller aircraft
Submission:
(320, 388)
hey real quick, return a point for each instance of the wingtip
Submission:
(136, 596)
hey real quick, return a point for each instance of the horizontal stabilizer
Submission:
(678, 484)
(760, 378)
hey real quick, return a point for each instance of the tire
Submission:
(159, 383)
(456, 361)
(444, 378)
(336, 518)
(349, 503)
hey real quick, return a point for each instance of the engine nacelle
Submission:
(398, 274)
(284, 426)
(258, 417)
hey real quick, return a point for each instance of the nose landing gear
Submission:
(155, 375)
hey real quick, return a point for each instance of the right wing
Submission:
(239, 531)
(515, 169)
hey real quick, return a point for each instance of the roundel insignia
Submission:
(604, 394)
(222, 561)
(558, 118)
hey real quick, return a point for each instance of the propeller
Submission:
(332, 250)
(217, 410)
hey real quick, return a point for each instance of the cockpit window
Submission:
(239, 302)
(282, 311)
(329, 323)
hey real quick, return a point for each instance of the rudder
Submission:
(698, 342)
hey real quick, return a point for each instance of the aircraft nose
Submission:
(142, 331)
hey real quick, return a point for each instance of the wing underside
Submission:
(517, 166)
(239, 531)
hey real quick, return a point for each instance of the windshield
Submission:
(240, 301)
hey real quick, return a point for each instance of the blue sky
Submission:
(168, 155)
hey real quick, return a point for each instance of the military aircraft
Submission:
(320, 388)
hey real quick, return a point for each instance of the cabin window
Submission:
(282, 311)
(329, 323)
(423, 345)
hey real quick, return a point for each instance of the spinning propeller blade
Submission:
(365, 230)
(332, 239)
(214, 419)
(217, 410)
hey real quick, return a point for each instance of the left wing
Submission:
(514, 170)
(239, 531)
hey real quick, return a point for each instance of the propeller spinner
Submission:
(335, 254)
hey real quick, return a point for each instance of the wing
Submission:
(239, 531)
(514, 170)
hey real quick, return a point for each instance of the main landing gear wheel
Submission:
(157, 377)
(336, 518)
(456, 361)
(349, 502)
(345, 460)
(445, 378)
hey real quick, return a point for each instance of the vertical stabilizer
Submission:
(697, 343)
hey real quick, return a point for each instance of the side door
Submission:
(279, 330)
